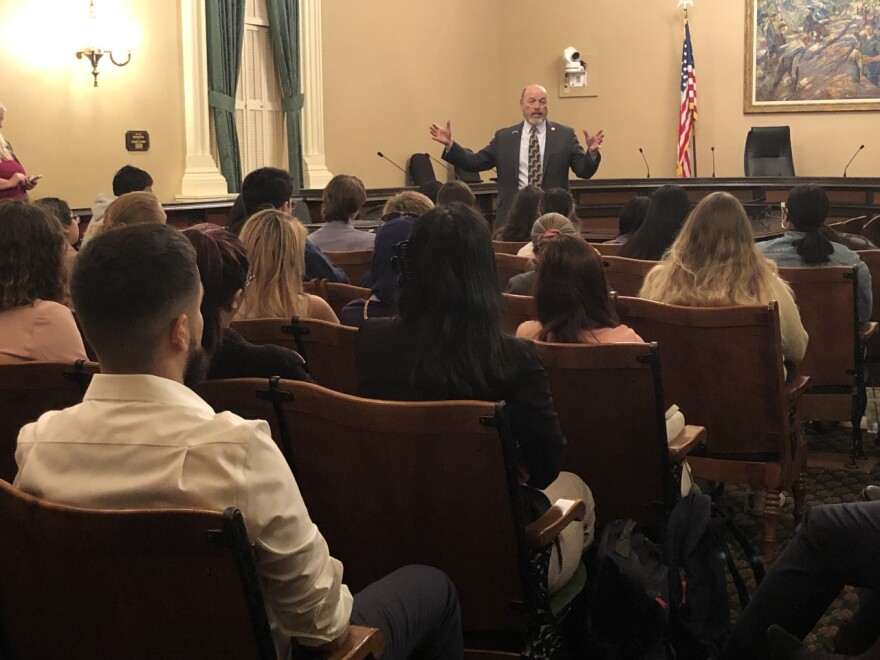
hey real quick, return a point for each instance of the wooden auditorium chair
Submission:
(28, 390)
(871, 230)
(723, 367)
(355, 263)
(607, 249)
(516, 310)
(508, 265)
(508, 247)
(625, 276)
(153, 583)
(850, 226)
(392, 483)
(609, 398)
(835, 358)
(338, 295)
(327, 348)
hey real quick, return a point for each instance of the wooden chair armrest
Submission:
(546, 528)
(682, 444)
(867, 330)
(361, 642)
(798, 386)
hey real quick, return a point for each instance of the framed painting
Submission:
(812, 55)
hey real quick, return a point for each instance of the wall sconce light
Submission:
(93, 52)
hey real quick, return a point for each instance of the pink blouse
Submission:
(44, 331)
(619, 335)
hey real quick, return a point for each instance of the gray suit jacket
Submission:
(561, 152)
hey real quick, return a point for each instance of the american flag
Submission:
(688, 114)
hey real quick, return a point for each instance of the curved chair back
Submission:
(607, 249)
(508, 247)
(625, 276)
(508, 265)
(81, 583)
(516, 310)
(355, 263)
(27, 391)
(768, 152)
(871, 230)
(338, 295)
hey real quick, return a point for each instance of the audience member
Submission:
(271, 188)
(714, 262)
(631, 218)
(223, 270)
(69, 225)
(343, 199)
(34, 325)
(448, 343)
(523, 284)
(127, 179)
(14, 182)
(134, 208)
(559, 200)
(666, 214)
(544, 224)
(571, 298)
(140, 439)
(522, 215)
(383, 301)
(275, 242)
(805, 244)
(456, 191)
(408, 202)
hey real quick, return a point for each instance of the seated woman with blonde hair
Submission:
(571, 297)
(544, 224)
(714, 262)
(276, 244)
(134, 208)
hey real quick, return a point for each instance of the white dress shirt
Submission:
(524, 150)
(141, 441)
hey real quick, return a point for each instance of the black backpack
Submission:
(698, 557)
(628, 604)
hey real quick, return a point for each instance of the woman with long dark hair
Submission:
(809, 243)
(667, 211)
(223, 269)
(571, 297)
(448, 343)
(522, 215)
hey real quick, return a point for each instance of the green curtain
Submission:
(224, 23)
(284, 26)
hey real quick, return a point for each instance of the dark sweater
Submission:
(238, 358)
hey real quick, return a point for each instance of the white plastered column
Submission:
(201, 176)
(315, 172)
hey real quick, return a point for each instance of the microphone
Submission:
(381, 155)
(713, 162)
(647, 167)
(852, 159)
(439, 162)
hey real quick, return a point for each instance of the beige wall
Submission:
(72, 133)
(391, 68)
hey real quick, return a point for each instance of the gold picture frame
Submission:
(811, 56)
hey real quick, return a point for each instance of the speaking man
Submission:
(536, 152)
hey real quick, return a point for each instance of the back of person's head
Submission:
(264, 188)
(714, 260)
(430, 190)
(558, 200)
(632, 215)
(61, 211)
(385, 279)
(456, 191)
(276, 247)
(408, 202)
(131, 179)
(449, 296)
(666, 214)
(571, 293)
(134, 208)
(130, 286)
(522, 215)
(550, 221)
(236, 216)
(807, 208)
(343, 197)
(223, 270)
(31, 244)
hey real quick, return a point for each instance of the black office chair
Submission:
(469, 178)
(768, 151)
(421, 170)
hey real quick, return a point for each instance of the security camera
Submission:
(572, 58)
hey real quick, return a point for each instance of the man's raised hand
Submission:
(442, 134)
(594, 141)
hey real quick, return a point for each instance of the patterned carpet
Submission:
(824, 485)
